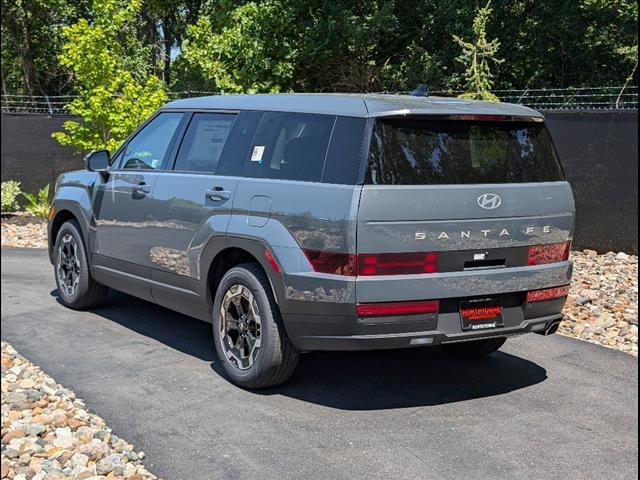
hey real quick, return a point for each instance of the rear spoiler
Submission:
(462, 116)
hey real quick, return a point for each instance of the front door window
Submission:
(148, 150)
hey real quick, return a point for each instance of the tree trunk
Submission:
(168, 39)
(28, 68)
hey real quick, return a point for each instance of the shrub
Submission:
(38, 204)
(10, 192)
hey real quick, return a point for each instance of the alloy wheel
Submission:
(68, 265)
(240, 329)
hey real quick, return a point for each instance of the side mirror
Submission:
(97, 161)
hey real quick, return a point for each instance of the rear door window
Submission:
(203, 142)
(424, 152)
(289, 146)
(236, 150)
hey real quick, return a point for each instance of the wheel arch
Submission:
(223, 253)
(65, 212)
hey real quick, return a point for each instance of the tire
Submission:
(276, 358)
(86, 292)
(475, 348)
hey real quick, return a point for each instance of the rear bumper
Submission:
(415, 339)
(335, 333)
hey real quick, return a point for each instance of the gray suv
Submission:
(308, 222)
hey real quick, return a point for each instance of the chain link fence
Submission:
(587, 98)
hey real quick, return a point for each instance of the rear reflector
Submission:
(551, 253)
(397, 308)
(547, 294)
(271, 260)
(369, 264)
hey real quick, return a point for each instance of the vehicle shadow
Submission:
(180, 332)
(345, 380)
(405, 378)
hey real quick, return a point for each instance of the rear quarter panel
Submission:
(289, 216)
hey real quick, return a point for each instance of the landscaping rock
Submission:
(23, 230)
(48, 434)
(603, 300)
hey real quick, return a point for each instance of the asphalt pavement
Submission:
(543, 407)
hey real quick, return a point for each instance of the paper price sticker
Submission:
(256, 156)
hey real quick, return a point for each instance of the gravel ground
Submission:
(602, 306)
(23, 230)
(47, 433)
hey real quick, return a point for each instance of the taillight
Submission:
(391, 309)
(330, 262)
(547, 294)
(397, 263)
(551, 253)
(368, 264)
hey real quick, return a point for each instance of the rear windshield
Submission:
(419, 152)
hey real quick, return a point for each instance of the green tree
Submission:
(31, 38)
(477, 55)
(255, 51)
(327, 45)
(116, 89)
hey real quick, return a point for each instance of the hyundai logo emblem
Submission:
(489, 201)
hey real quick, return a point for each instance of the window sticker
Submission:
(258, 151)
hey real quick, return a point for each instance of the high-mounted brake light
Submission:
(551, 253)
(368, 264)
(391, 309)
(547, 294)
(495, 118)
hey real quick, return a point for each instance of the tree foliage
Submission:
(116, 90)
(477, 56)
(328, 45)
(255, 51)
(31, 38)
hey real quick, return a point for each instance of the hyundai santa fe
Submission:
(302, 222)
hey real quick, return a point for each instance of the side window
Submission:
(290, 146)
(343, 159)
(203, 142)
(148, 149)
(236, 149)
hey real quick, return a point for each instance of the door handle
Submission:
(217, 194)
(141, 189)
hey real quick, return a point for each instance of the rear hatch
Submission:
(476, 190)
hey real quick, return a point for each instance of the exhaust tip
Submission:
(549, 329)
(553, 328)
